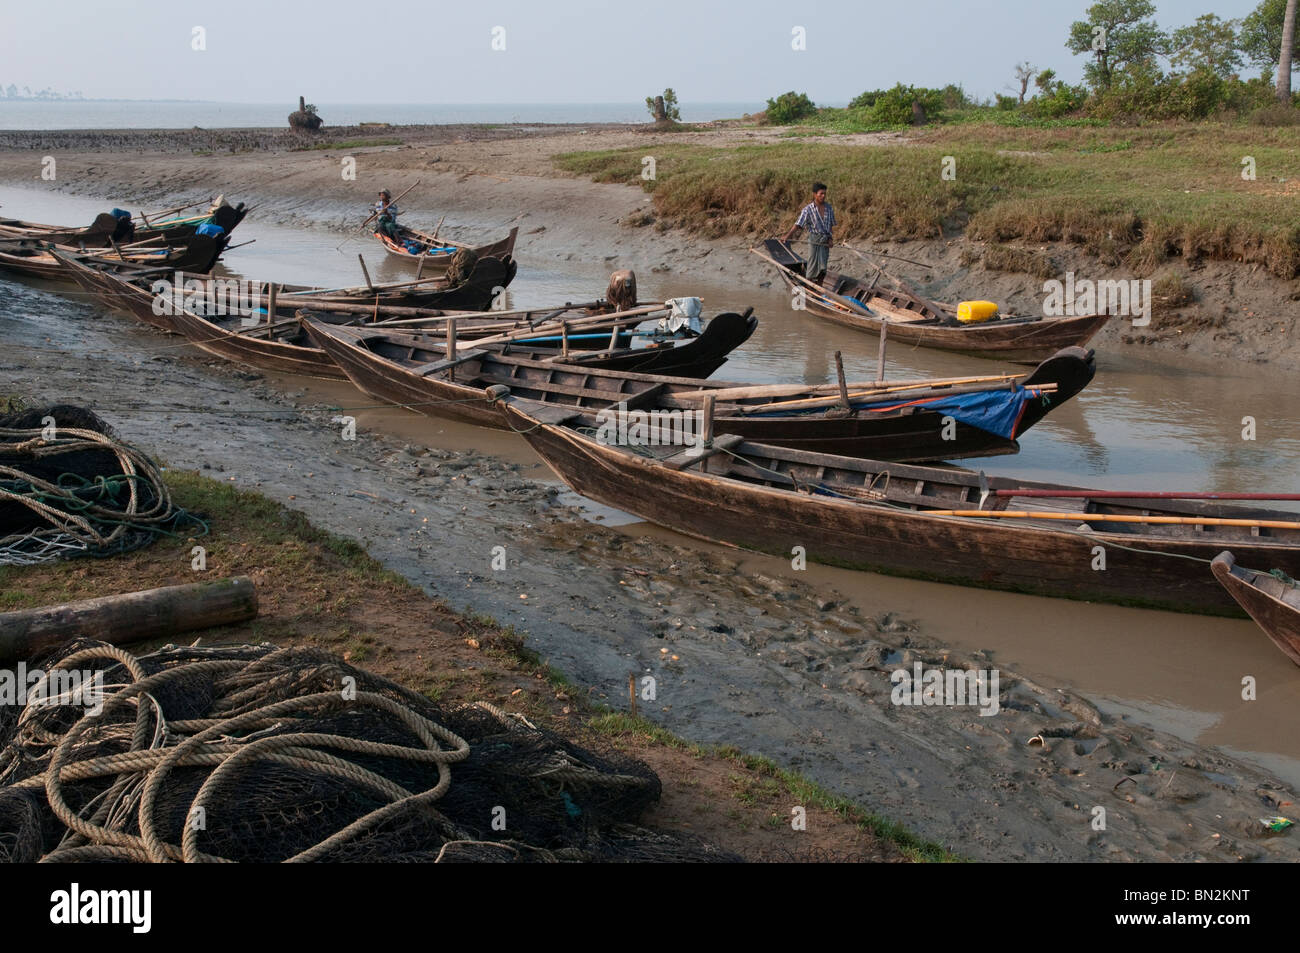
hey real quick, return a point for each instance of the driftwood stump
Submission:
(302, 120)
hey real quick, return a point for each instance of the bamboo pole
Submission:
(270, 303)
(896, 394)
(552, 312)
(179, 208)
(844, 387)
(880, 357)
(862, 388)
(623, 317)
(366, 271)
(451, 348)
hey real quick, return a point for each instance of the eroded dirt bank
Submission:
(743, 651)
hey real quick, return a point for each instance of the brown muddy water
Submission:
(1143, 424)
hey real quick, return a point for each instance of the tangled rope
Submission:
(76, 490)
(253, 753)
(461, 266)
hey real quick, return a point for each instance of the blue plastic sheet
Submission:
(997, 411)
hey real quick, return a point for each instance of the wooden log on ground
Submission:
(129, 617)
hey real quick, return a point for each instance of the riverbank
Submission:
(999, 240)
(317, 590)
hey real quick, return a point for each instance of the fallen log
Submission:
(128, 617)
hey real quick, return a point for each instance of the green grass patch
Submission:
(773, 778)
(350, 144)
(1156, 192)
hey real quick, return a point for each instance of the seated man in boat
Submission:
(387, 215)
(817, 219)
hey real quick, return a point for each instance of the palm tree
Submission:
(1288, 47)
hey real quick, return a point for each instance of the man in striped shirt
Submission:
(817, 219)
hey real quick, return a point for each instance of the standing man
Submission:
(817, 219)
(387, 215)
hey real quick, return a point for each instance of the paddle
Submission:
(393, 202)
(1114, 518)
(852, 307)
(1144, 495)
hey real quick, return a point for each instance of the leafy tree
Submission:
(1208, 45)
(1261, 35)
(1118, 33)
(790, 107)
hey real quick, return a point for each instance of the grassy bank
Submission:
(1137, 196)
(318, 589)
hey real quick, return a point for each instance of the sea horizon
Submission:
(54, 114)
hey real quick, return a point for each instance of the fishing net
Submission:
(253, 753)
(461, 267)
(69, 487)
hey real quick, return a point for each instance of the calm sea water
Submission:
(112, 114)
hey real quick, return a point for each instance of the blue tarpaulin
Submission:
(997, 411)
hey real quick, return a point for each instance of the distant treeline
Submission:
(1135, 71)
(25, 92)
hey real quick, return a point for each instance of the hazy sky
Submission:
(556, 51)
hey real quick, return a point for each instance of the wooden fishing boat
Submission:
(414, 370)
(285, 346)
(136, 292)
(97, 234)
(900, 519)
(475, 292)
(856, 304)
(1273, 603)
(282, 345)
(393, 365)
(433, 255)
(108, 228)
(39, 259)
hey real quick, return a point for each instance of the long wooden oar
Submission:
(393, 202)
(867, 256)
(1144, 495)
(866, 387)
(1114, 518)
(505, 314)
(633, 315)
(179, 208)
(830, 296)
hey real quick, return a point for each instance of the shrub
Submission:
(1278, 114)
(893, 107)
(789, 107)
